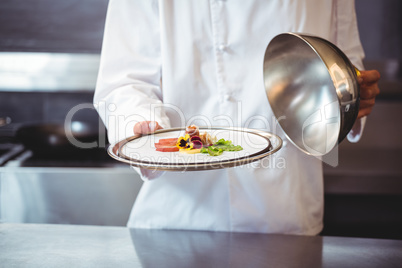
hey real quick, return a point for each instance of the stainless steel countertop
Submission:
(67, 195)
(40, 245)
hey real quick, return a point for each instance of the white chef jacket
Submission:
(184, 62)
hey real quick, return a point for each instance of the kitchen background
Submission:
(49, 54)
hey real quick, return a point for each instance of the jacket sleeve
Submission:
(128, 87)
(348, 40)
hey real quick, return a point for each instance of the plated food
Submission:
(193, 143)
(140, 150)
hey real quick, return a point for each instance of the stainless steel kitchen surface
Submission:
(44, 245)
(48, 72)
(101, 195)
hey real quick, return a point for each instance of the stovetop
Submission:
(14, 154)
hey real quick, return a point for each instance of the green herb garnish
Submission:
(220, 146)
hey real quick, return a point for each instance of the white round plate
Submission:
(140, 150)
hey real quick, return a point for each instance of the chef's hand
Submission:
(146, 127)
(368, 81)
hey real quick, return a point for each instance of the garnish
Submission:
(220, 146)
(184, 142)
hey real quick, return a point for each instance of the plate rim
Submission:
(114, 150)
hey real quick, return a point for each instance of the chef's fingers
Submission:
(369, 77)
(146, 127)
(366, 103)
(365, 107)
(368, 81)
(369, 91)
(367, 99)
(364, 112)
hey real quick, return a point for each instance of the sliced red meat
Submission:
(170, 141)
(166, 148)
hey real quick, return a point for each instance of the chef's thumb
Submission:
(146, 127)
(153, 126)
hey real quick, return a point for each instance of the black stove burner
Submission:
(84, 158)
(8, 151)
(17, 154)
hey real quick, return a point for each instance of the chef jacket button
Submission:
(222, 47)
(226, 97)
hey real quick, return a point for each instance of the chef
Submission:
(172, 63)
